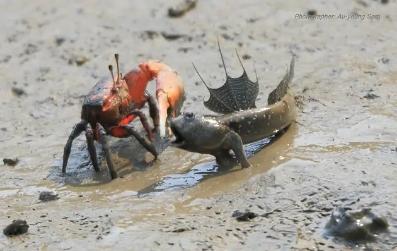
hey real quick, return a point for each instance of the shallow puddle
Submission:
(175, 170)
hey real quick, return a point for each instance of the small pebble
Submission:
(244, 216)
(48, 196)
(182, 8)
(18, 91)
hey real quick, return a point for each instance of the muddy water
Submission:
(260, 159)
(153, 179)
(341, 153)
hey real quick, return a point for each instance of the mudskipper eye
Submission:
(188, 115)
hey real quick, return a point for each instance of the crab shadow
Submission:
(127, 155)
(205, 170)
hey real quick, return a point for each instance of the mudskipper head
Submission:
(196, 133)
(184, 128)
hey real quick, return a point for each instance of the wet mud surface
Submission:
(341, 153)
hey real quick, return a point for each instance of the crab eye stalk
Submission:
(116, 56)
(111, 73)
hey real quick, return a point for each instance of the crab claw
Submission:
(170, 92)
(164, 105)
(170, 103)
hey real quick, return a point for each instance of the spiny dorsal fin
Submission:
(217, 98)
(235, 95)
(278, 93)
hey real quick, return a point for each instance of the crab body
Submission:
(101, 105)
(112, 104)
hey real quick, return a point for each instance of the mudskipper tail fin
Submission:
(278, 93)
(235, 95)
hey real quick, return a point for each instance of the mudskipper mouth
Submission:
(178, 140)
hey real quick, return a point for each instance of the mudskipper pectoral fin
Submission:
(233, 141)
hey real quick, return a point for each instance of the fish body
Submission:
(219, 135)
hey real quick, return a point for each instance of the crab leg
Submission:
(153, 110)
(144, 122)
(148, 145)
(105, 147)
(91, 147)
(77, 129)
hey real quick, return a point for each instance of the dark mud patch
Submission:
(182, 8)
(10, 162)
(244, 216)
(18, 91)
(371, 95)
(149, 34)
(17, 227)
(173, 36)
(311, 13)
(46, 196)
(169, 36)
(78, 60)
(59, 41)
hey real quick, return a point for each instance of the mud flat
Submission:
(341, 153)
